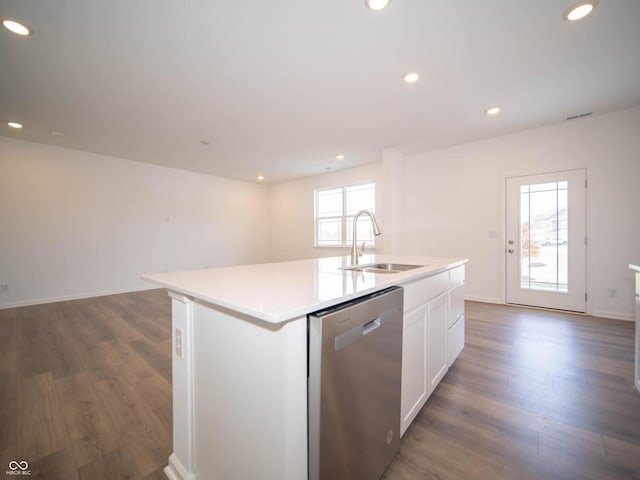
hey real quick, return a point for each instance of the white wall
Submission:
(453, 198)
(76, 224)
(291, 227)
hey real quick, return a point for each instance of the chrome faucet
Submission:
(354, 247)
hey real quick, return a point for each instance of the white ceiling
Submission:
(279, 88)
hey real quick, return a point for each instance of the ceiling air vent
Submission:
(581, 115)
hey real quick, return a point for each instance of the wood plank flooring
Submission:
(534, 395)
(85, 387)
(85, 393)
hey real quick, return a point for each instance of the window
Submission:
(334, 211)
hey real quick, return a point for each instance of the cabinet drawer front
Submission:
(456, 305)
(423, 290)
(455, 341)
(456, 275)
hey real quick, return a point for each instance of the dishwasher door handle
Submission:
(356, 333)
(371, 326)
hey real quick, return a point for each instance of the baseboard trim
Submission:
(176, 471)
(42, 301)
(473, 298)
(629, 317)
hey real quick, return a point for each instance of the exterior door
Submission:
(546, 240)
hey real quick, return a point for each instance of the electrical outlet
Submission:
(178, 340)
(4, 287)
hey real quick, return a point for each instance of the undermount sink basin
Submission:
(383, 267)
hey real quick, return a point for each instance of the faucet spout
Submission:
(376, 232)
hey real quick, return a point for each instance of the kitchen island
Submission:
(239, 355)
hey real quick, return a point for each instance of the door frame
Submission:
(503, 234)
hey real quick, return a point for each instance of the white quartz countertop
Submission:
(278, 292)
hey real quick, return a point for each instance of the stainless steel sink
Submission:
(383, 267)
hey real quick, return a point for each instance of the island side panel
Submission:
(181, 466)
(250, 396)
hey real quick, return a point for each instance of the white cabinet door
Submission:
(414, 365)
(437, 341)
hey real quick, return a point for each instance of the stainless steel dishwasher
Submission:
(354, 365)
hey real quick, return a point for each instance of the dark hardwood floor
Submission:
(85, 393)
(85, 387)
(534, 395)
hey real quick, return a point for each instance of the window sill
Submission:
(368, 247)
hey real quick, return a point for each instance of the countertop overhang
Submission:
(279, 292)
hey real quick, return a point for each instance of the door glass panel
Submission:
(544, 236)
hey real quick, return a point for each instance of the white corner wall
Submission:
(291, 211)
(76, 224)
(453, 200)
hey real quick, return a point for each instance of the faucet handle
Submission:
(362, 248)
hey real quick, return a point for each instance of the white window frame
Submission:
(343, 217)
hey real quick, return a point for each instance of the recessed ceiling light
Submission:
(411, 77)
(14, 124)
(16, 27)
(377, 5)
(340, 156)
(260, 177)
(579, 10)
(56, 133)
(492, 110)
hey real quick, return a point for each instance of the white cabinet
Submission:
(455, 341)
(432, 338)
(455, 327)
(414, 365)
(437, 341)
(456, 303)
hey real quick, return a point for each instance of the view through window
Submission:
(544, 236)
(335, 208)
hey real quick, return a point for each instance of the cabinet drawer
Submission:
(456, 275)
(455, 341)
(421, 291)
(456, 304)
